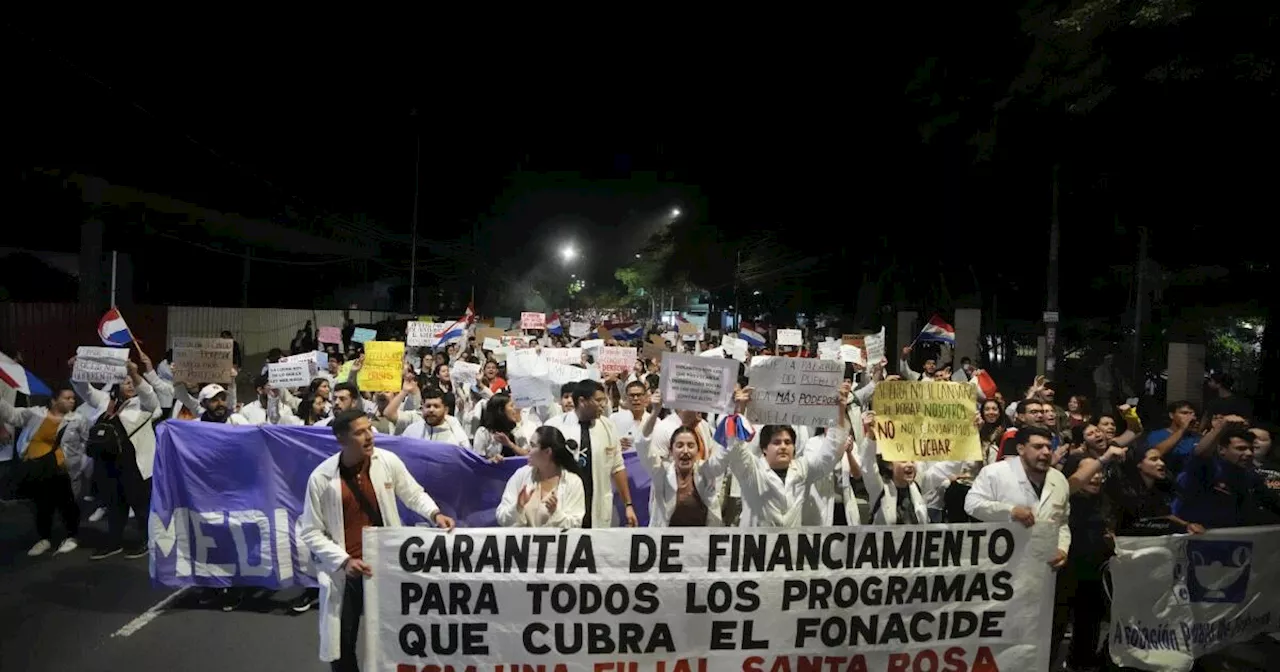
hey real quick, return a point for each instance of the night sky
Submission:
(868, 157)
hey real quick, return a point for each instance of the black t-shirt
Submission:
(906, 507)
(1089, 545)
(584, 468)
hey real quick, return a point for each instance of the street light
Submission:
(675, 212)
(568, 253)
(637, 255)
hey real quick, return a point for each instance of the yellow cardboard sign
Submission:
(383, 366)
(926, 422)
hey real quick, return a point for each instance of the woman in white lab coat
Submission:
(546, 492)
(774, 481)
(684, 490)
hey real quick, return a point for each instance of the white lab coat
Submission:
(135, 413)
(570, 495)
(886, 513)
(1001, 486)
(450, 431)
(769, 501)
(819, 504)
(708, 478)
(606, 460)
(323, 533)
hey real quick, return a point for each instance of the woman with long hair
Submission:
(685, 490)
(546, 492)
(499, 435)
(442, 379)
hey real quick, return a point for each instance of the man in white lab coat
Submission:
(1027, 490)
(354, 489)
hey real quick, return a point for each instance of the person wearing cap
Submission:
(268, 409)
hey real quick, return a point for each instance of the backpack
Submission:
(107, 437)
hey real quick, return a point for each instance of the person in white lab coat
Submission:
(685, 487)
(124, 479)
(1027, 490)
(354, 489)
(774, 483)
(546, 492)
(599, 454)
(433, 423)
(630, 419)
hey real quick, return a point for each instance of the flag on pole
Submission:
(113, 330)
(753, 338)
(554, 328)
(458, 329)
(938, 331)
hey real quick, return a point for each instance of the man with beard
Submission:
(1025, 490)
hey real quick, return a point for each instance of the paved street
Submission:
(67, 613)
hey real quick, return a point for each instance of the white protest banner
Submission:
(561, 374)
(569, 356)
(593, 344)
(100, 365)
(423, 334)
(884, 598)
(790, 337)
(1177, 598)
(875, 348)
(288, 375)
(829, 351)
(616, 359)
(693, 383)
(795, 391)
(530, 392)
(579, 329)
(532, 321)
(491, 344)
(526, 363)
(736, 347)
(202, 360)
(852, 354)
(712, 353)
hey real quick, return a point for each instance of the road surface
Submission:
(68, 613)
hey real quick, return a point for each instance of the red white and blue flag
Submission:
(554, 328)
(749, 334)
(112, 329)
(937, 331)
(458, 329)
(16, 376)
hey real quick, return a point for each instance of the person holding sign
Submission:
(774, 484)
(546, 492)
(896, 489)
(357, 488)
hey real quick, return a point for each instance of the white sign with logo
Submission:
(1177, 598)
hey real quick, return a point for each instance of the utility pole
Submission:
(1139, 303)
(737, 300)
(1051, 304)
(413, 251)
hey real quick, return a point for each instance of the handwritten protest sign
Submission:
(569, 356)
(423, 334)
(875, 348)
(579, 329)
(464, 374)
(693, 383)
(363, 335)
(383, 366)
(533, 320)
(288, 375)
(795, 391)
(530, 392)
(330, 335)
(202, 360)
(616, 359)
(790, 337)
(901, 598)
(100, 365)
(929, 422)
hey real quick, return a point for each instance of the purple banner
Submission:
(225, 500)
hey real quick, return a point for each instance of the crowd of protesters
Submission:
(1084, 465)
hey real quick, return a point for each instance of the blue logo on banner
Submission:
(1218, 570)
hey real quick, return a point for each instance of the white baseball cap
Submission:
(210, 391)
